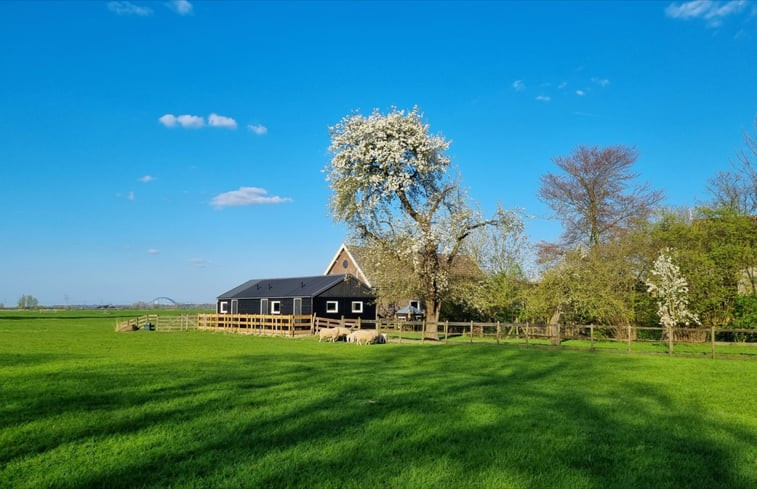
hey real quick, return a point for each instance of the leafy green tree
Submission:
(717, 252)
(27, 302)
(392, 186)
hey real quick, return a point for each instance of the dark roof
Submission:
(285, 287)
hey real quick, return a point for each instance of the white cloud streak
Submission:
(146, 179)
(543, 98)
(190, 121)
(181, 7)
(153, 251)
(602, 82)
(246, 196)
(128, 8)
(216, 120)
(184, 120)
(258, 129)
(580, 93)
(713, 12)
(519, 86)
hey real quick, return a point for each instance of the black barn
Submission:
(331, 296)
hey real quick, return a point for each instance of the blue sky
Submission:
(176, 148)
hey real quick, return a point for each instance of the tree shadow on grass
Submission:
(395, 416)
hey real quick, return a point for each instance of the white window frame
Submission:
(223, 307)
(416, 304)
(275, 307)
(329, 308)
(357, 307)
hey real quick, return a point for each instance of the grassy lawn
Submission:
(83, 406)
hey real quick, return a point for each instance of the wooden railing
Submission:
(260, 324)
(687, 341)
(155, 322)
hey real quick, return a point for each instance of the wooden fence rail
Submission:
(687, 341)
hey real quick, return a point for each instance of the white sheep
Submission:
(342, 332)
(330, 334)
(363, 336)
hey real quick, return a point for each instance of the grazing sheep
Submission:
(330, 334)
(364, 336)
(382, 339)
(342, 333)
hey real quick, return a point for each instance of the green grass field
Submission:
(83, 406)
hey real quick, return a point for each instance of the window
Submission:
(416, 304)
(275, 307)
(332, 306)
(223, 307)
(357, 306)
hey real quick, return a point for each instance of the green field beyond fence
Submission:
(710, 342)
(82, 406)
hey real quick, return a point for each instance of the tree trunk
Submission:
(554, 327)
(433, 308)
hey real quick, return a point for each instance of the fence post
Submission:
(591, 334)
(423, 330)
(670, 341)
(712, 340)
(471, 331)
(398, 326)
(526, 329)
(629, 338)
(446, 330)
(499, 330)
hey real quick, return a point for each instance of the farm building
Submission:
(330, 296)
(348, 260)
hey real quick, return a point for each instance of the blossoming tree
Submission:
(391, 185)
(672, 292)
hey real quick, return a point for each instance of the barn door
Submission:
(297, 306)
(263, 306)
(234, 306)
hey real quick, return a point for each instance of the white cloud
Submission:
(258, 129)
(709, 10)
(190, 121)
(519, 86)
(216, 120)
(130, 195)
(181, 7)
(602, 82)
(168, 120)
(543, 98)
(580, 93)
(146, 179)
(562, 85)
(246, 196)
(153, 251)
(128, 8)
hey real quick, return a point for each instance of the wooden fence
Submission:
(155, 322)
(682, 341)
(260, 324)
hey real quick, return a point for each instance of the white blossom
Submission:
(672, 292)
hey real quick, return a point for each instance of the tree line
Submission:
(622, 258)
